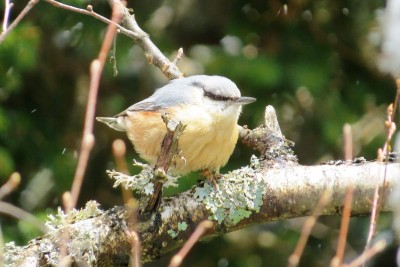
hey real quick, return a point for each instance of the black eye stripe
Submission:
(213, 96)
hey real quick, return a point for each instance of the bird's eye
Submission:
(212, 95)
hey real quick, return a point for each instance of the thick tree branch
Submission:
(290, 192)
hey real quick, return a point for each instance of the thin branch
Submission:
(201, 229)
(119, 150)
(178, 56)
(7, 8)
(396, 100)
(379, 196)
(96, 69)
(348, 142)
(20, 214)
(21, 15)
(131, 29)
(294, 259)
(11, 184)
(344, 227)
(65, 235)
(367, 254)
(169, 151)
(91, 13)
(113, 58)
(1, 247)
(132, 233)
(374, 212)
(153, 54)
(134, 239)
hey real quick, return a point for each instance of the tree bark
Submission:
(290, 192)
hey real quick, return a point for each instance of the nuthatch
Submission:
(209, 106)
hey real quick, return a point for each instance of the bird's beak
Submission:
(244, 100)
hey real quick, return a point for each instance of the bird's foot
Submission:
(211, 177)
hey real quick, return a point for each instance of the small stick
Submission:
(7, 9)
(178, 56)
(96, 69)
(169, 150)
(21, 15)
(201, 229)
(367, 254)
(294, 259)
(348, 142)
(119, 150)
(20, 214)
(91, 13)
(11, 184)
(344, 227)
(132, 233)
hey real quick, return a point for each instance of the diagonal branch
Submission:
(21, 15)
(153, 54)
(96, 69)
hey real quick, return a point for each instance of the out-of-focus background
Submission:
(315, 62)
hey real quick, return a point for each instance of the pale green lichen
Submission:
(82, 248)
(255, 162)
(172, 233)
(142, 182)
(10, 252)
(60, 219)
(182, 226)
(239, 194)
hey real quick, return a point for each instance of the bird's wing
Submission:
(172, 94)
(145, 105)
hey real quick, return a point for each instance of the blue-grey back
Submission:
(184, 90)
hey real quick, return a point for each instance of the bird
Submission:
(208, 106)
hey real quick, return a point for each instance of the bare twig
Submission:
(348, 142)
(132, 233)
(201, 229)
(178, 57)
(390, 127)
(131, 29)
(119, 150)
(7, 8)
(90, 12)
(67, 201)
(379, 195)
(113, 58)
(65, 236)
(344, 227)
(134, 239)
(153, 54)
(374, 208)
(12, 183)
(96, 69)
(1, 247)
(294, 259)
(367, 254)
(20, 214)
(169, 151)
(396, 101)
(21, 15)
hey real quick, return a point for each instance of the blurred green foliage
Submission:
(313, 64)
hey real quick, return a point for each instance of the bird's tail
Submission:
(116, 123)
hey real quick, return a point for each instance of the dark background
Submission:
(316, 65)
